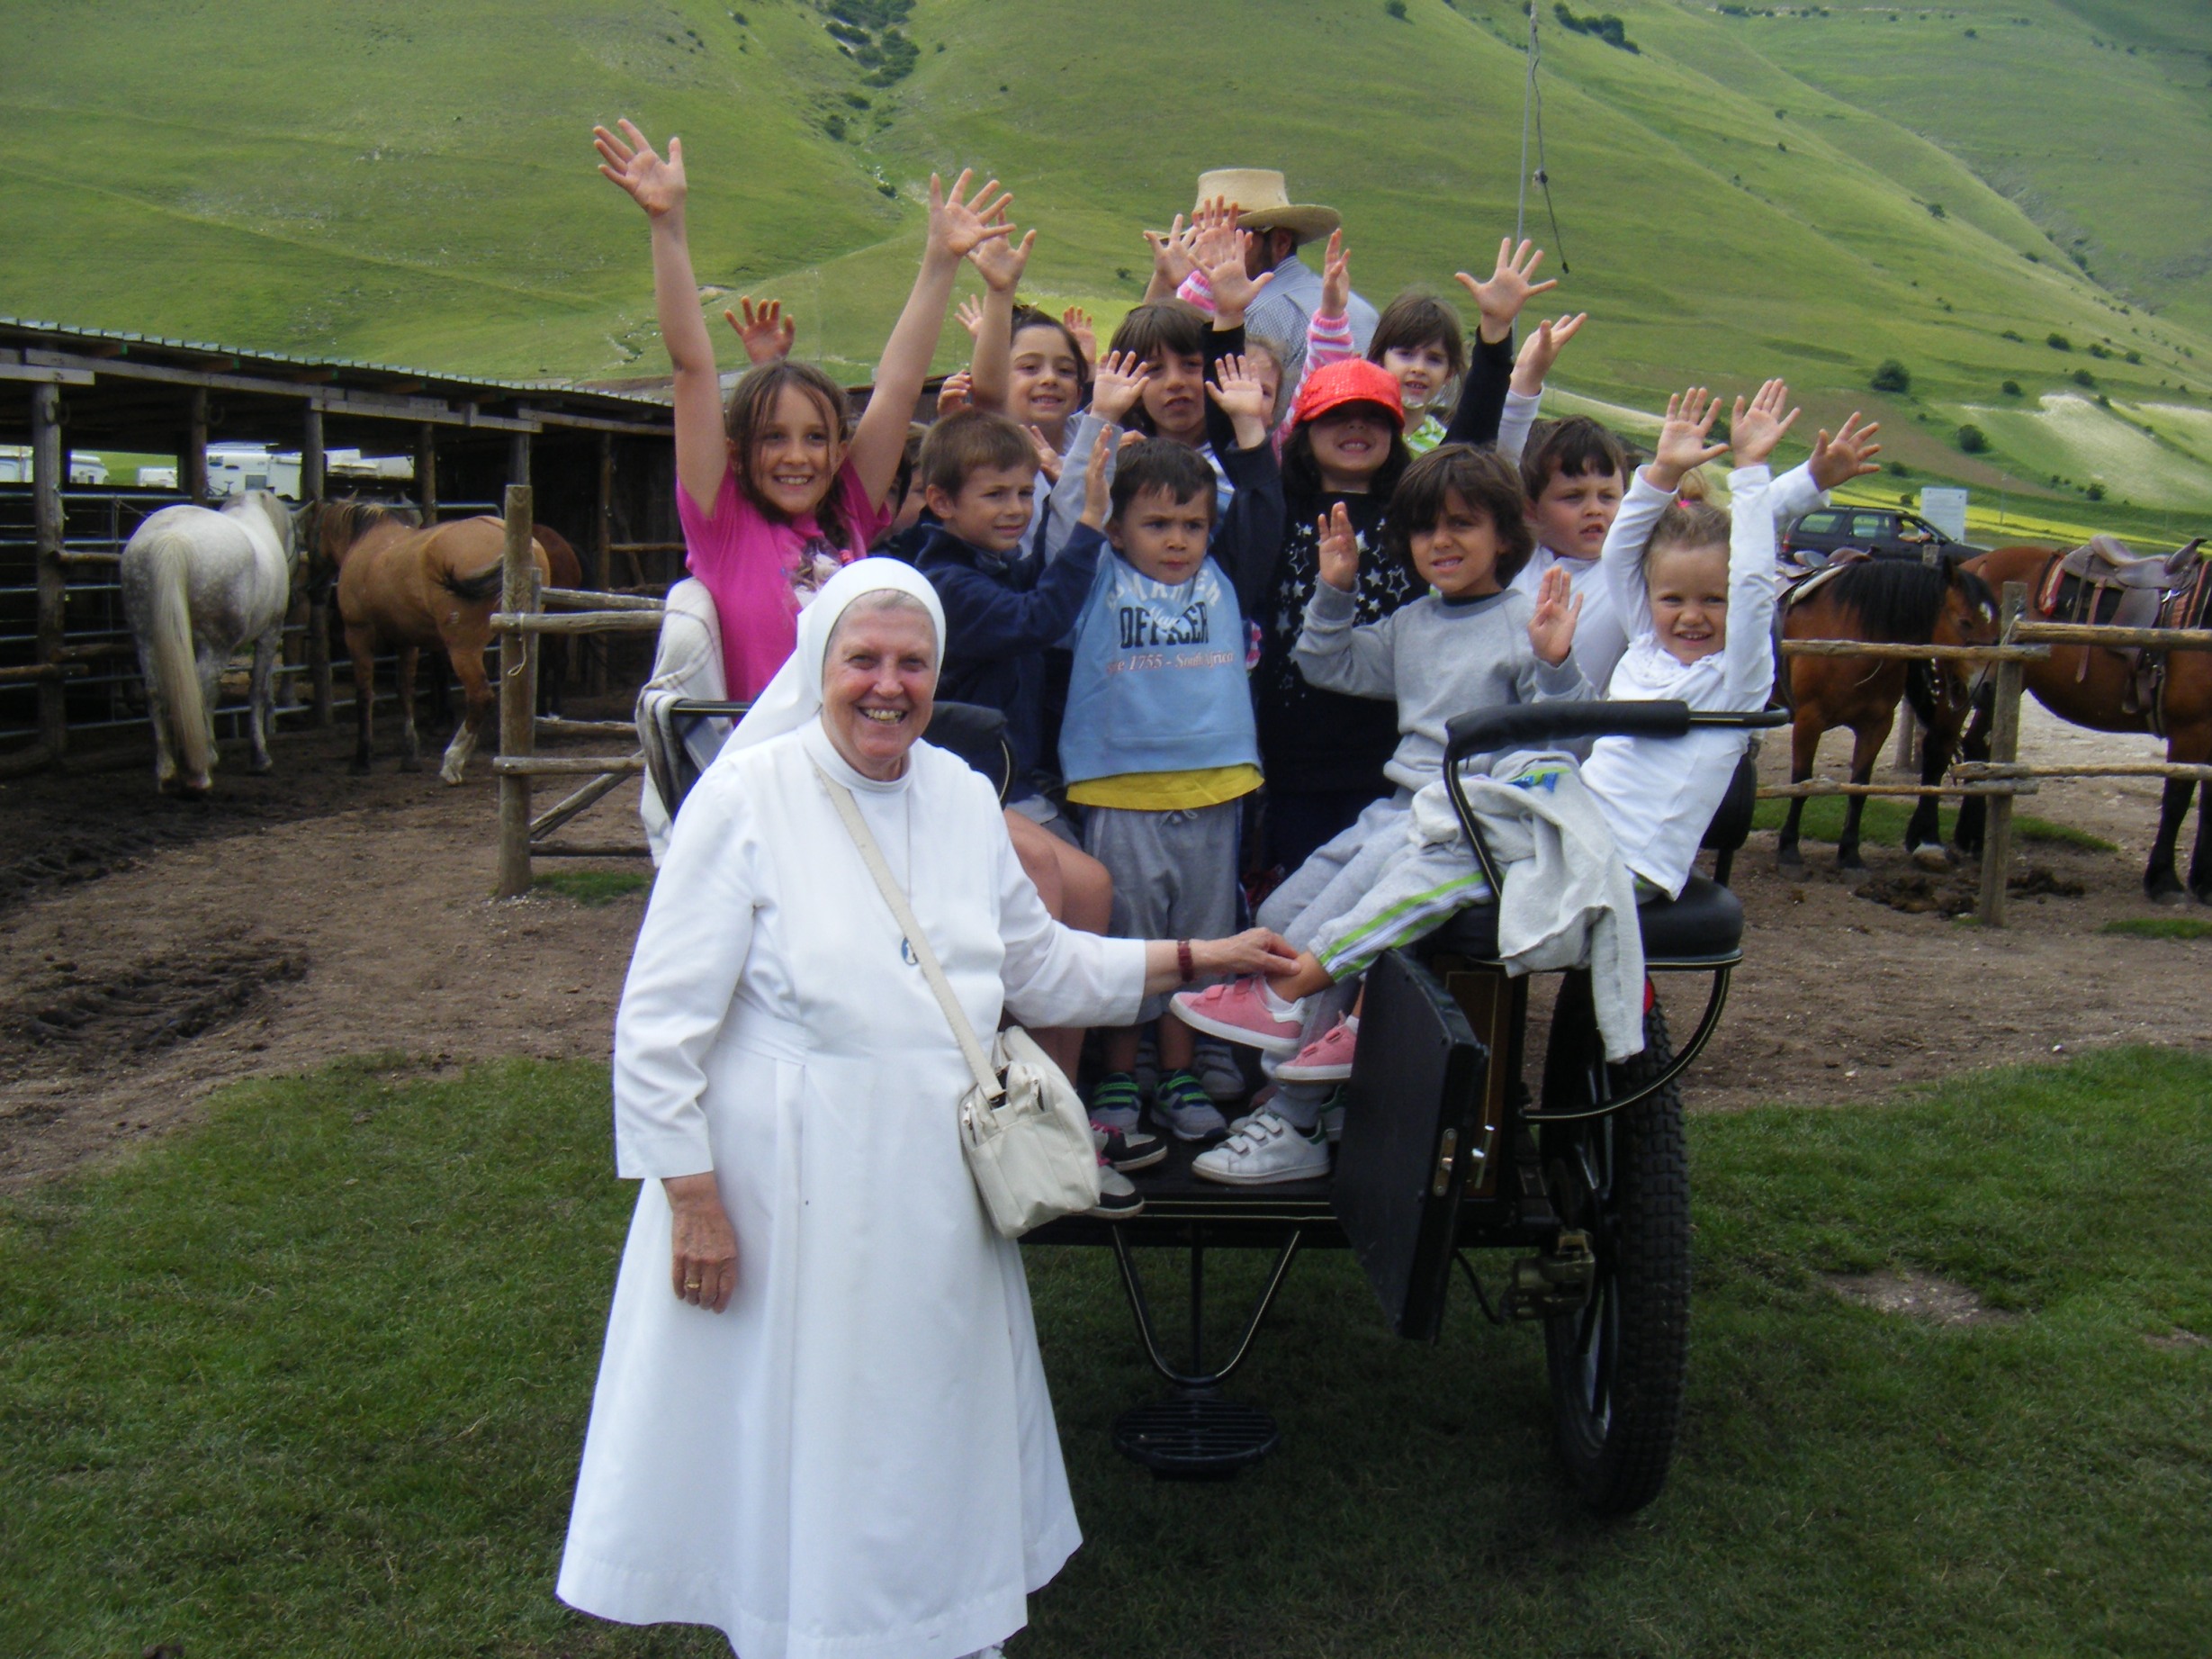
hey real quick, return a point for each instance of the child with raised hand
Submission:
(1700, 582)
(1026, 364)
(1158, 745)
(1575, 474)
(1179, 347)
(771, 496)
(1459, 525)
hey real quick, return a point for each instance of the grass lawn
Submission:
(312, 1379)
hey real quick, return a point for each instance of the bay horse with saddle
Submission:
(2119, 689)
(406, 588)
(1887, 601)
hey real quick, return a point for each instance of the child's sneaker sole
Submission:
(1282, 1047)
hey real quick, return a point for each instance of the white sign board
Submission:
(1946, 510)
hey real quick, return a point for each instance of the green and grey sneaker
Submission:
(1116, 1102)
(1184, 1109)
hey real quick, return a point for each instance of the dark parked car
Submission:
(1873, 529)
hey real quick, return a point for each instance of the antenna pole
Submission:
(1528, 105)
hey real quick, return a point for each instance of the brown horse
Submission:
(2089, 685)
(408, 588)
(1884, 601)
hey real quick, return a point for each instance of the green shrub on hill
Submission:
(1609, 28)
(1892, 376)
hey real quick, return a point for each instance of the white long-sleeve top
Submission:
(1660, 793)
(1601, 632)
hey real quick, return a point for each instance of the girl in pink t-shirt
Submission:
(772, 497)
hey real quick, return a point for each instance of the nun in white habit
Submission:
(820, 1421)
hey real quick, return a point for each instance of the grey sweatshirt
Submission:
(1439, 658)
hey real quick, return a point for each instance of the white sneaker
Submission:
(1266, 1150)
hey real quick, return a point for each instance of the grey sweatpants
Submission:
(1372, 888)
(1174, 873)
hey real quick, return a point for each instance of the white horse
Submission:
(198, 584)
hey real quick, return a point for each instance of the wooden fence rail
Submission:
(2002, 776)
(522, 620)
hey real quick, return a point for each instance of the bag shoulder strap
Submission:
(978, 1062)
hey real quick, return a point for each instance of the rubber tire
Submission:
(1639, 1311)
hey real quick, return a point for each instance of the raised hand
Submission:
(956, 395)
(1541, 349)
(1121, 381)
(1511, 286)
(1077, 323)
(1335, 276)
(1552, 625)
(1002, 260)
(1849, 455)
(1049, 461)
(1233, 290)
(968, 313)
(1097, 486)
(1756, 428)
(960, 223)
(1243, 398)
(655, 185)
(1339, 550)
(766, 331)
(1213, 228)
(1682, 443)
(1171, 259)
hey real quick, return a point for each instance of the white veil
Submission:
(795, 696)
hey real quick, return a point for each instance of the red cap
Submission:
(1354, 379)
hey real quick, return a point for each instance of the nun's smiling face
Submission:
(878, 681)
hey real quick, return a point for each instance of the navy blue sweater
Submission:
(999, 619)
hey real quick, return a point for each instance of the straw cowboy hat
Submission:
(1263, 203)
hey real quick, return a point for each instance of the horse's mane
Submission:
(1897, 600)
(334, 524)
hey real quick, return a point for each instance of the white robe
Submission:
(858, 1459)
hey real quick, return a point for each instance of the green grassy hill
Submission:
(1751, 190)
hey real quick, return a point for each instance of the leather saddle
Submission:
(2106, 561)
(2102, 581)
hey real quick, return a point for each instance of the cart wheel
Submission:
(1617, 1365)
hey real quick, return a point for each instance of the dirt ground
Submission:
(151, 951)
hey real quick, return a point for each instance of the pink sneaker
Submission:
(1238, 1011)
(1327, 1059)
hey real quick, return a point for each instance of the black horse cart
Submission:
(1448, 1148)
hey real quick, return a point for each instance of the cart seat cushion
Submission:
(1706, 921)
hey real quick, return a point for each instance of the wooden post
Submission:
(518, 696)
(48, 471)
(192, 471)
(426, 471)
(318, 597)
(518, 459)
(1908, 756)
(2004, 748)
(602, 556)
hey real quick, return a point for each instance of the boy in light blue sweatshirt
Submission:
(1158, 745)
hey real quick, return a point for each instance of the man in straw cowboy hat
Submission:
(1280, 227)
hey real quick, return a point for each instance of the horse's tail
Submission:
(168, 646)
(483, 585)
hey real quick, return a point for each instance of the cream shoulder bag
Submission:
(1026, 1131)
